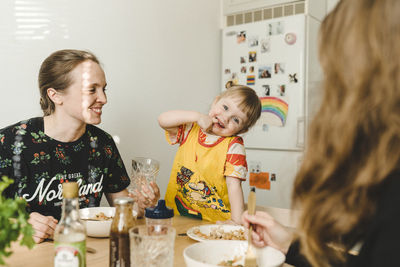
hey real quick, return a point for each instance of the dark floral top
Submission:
(39, 165)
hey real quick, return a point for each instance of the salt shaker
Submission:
(159, 218)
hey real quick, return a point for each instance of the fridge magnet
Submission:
(253, 41)
(264, 72)
(235, 79)
(252, 56)
(279, 68)
(290, 38)
(254, 166)
(231, 33)
(275, 28)
(227, 71)
(242, 60)
(274, 110)
(251, 69)
(260, 180)
(241, 37)
(273, 177)
(280, 89)
(293, 78)
(265, 45)
(257, 178)
(251, 80)
(243, 69)
(266, 89)
(265, 127)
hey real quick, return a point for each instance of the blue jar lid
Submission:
(159, 212)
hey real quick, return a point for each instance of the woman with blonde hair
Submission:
(348, 186)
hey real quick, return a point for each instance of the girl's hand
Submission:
(267, 231)
(205, 122)
(44, 226)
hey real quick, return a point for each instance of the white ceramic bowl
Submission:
(97, 228)
(210, 253)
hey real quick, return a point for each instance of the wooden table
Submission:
(43, 254)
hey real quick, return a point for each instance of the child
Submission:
(210, 163)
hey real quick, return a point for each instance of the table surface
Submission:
(43, 254)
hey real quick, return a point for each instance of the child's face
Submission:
(228, 118)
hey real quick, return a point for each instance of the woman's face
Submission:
(84, 98)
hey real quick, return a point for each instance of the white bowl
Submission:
(97, 228)
(211, 253)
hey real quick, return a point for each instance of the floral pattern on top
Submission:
(38, 137)
(40, 165)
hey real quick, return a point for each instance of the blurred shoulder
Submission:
(22, 126)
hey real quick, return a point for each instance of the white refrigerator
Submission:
(272, 57)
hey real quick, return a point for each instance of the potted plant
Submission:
(13, 222)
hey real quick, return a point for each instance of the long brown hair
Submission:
(54, 73)
(354, 140)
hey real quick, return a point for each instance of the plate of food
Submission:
(209, 232)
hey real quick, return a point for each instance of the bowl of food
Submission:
(229, 253)
(97, 220)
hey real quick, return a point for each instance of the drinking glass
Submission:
(144, 171)
(152, 249)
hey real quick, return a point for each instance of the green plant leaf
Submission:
(13, 221)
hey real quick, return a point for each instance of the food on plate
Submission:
(233, 262)
(217, 233)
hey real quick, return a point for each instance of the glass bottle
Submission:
(119, 234)
(70, 232)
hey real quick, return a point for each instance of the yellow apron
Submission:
(197, 186)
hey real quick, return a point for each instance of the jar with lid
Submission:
(159, 218)
(119, 234)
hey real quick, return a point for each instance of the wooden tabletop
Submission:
(43, 254)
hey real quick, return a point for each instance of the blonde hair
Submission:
(354, 140)
(54, 73)
(249, 103)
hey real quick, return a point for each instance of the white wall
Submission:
(157, 55)
(331, 5)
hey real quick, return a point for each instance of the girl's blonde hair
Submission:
(249, 103)
(354, 140)
(54, 73)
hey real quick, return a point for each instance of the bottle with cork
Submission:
(70, 232)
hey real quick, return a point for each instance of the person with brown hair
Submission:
(210, 164)
(347, 188)
(40, 154)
